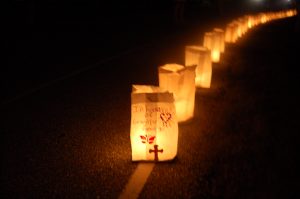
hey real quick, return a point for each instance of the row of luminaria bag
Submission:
(156, 110)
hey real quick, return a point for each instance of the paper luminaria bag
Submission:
(212, 41)
(216, 47)
(180, 81)
(154, 128)
(200, 57)
(231, 33)
(207, 40)
(220, 33)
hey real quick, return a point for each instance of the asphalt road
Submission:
(71, 139)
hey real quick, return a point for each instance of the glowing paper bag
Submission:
(212, 41)
(154, 127)
(200, 57)
(180, 81)
(221, 34)
(230, 34)
(208, 39)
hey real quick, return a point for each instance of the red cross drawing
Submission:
(156, 150)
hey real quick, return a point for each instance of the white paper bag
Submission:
(179, 80)
(154, 128)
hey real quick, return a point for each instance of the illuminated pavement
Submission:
(71, 139)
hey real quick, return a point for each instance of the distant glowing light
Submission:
(257, 1)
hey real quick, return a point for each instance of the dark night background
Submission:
(65, 100)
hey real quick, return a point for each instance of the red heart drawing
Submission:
(165, 117)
